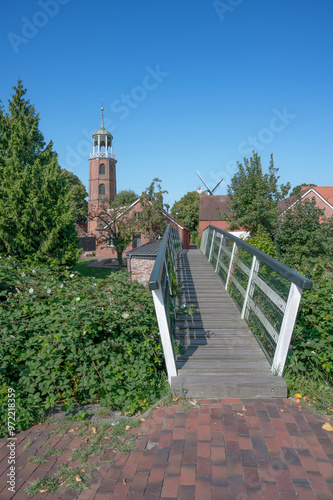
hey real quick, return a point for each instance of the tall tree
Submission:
(116, 225)
(79, 194)
(152, 221)
(304, 238)
(297, 189)
(125, 197)
(254, 197)
(36, 217)
(188, 207)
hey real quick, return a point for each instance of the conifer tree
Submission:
(36, 219)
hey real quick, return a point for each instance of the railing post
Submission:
(218, 255)
(162, 320)
(233, 255)
(250, 285)
(211, 246)
(287, 327)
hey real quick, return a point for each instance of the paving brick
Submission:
(203, 488)
(170, 486)
(204, 466)
(187, 475)
(204, 433)
(186, 492)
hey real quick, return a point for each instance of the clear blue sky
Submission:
(187, 84)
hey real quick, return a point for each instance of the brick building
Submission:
(103, 188)
(323, 196)
(211, 210)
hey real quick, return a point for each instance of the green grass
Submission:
(315, 390)
(98, 272)
(96, 438)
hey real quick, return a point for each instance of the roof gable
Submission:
(211, 206)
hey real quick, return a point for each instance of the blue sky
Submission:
(187, 85)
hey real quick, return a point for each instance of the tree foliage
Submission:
(188, 207)
(125, 197)
(297, 189)
(152, 221)
(117, 226)
(304, 239)
(254, 197)
(36, 214)
(79, 203)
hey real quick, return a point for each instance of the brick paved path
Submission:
(231, 449)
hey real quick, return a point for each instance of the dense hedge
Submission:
(312, 342)
(67, 339)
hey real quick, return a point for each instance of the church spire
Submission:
(102, 108)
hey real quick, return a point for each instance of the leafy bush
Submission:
(68, 339)
(312, 343)
(263, 242)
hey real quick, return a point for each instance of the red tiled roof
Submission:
(325, 192)
(211, 206)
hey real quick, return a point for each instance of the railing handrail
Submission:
(277, 266)
(155, 277)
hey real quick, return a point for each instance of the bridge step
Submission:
(221, 358)
(228, 386)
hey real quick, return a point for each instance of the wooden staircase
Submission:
(222, 357)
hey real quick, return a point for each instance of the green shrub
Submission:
(67, 339)
(312, 343)
(263, 242)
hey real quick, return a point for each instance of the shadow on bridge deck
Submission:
(222, 357)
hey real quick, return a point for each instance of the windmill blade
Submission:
(209, 191)
(217, 185)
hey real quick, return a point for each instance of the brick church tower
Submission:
(102, 174)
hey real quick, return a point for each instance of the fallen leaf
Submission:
(85, 440)
(244, 409)
(142, 420)
(78, 479)
(296, 400)
(127, 412)
(71, 430)
(42, 491)
(94, 430)
(139, 434)
(124, 481)
(127, 427)
(107, 438)
(174, 399)
(327, 427)
(83, 470)
(139, 412)
(195, 401)
(282, 411)
(240, 414)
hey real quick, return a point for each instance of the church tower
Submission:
(102, 174)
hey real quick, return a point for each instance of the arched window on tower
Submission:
(102, 189)
(102, 168)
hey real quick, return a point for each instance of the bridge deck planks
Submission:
(222, 357)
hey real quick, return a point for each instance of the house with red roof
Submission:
(211, 210)
(323, 196)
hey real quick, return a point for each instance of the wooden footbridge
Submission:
(230, 318)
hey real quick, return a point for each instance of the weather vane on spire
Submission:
(102, 108)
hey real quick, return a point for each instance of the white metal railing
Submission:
(267, 292)
(164, 296)
(102, 154)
